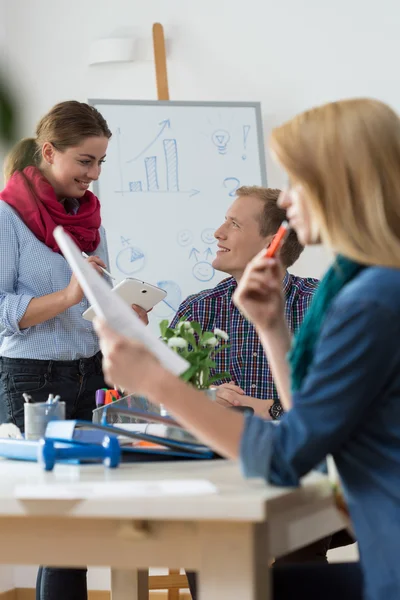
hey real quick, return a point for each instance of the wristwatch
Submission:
(276, 410)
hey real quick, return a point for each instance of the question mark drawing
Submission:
(233, 183)
(246, 131)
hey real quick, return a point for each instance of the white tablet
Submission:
(134, 291)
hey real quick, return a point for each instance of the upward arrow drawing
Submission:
(194, 252)
(164, 124)
(208, 253)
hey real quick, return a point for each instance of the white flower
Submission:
(191, 330)
(222, 334)
(185, 325)
(211, 342)
(176, 342)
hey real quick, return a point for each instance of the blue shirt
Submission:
(29, 269)
(349, 406)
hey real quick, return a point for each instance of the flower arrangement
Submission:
(198, 348)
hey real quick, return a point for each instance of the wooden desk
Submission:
(227, 537)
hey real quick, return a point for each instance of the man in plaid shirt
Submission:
(250, 224)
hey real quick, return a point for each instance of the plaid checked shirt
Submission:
(245, 359)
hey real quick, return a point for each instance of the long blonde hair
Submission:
(346, 155)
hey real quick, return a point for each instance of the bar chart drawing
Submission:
(171, 164)
(151, 167)
(150, 164)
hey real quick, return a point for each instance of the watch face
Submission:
(276, 410)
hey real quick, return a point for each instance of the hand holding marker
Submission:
(104, 270)
(278, 240)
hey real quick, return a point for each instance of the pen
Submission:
(108, 397)
(104, 270)
(115, 395)
(278, 240)
(100, 398)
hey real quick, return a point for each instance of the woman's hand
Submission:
(73, 290)
(126, 364)
(141, 313)
(259, 295)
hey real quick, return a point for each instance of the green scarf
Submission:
(302, 353)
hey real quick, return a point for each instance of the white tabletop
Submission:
(236, 499)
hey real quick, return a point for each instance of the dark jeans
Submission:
(310, 581)
(76, 382)
(61, 584)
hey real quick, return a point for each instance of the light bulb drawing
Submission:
(220, 138)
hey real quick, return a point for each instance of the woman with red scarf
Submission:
(45, 344)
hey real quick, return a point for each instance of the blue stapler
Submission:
(50, 450)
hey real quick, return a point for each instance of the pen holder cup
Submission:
(37, 416)
(104, 415)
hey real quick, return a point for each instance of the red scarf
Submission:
(32, 197)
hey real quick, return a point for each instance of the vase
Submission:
(211, 392)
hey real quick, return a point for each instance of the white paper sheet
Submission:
(112, 308)
(115, 489)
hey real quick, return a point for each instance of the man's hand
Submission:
(230, 394)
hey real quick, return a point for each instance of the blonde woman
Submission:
(343, 396)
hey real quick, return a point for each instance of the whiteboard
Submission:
(171, 172)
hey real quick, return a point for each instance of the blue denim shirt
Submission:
(348, 406)
(29, 269)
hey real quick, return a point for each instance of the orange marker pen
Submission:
(115, 395)
(109, 397)
(278, 240)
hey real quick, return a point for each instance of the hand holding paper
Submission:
(112, 309)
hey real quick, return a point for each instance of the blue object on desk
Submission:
(88, 432)
(49, 451)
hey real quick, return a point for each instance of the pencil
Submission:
(104, 270)
(278, 240)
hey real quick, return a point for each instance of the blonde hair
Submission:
(346, 156)
(271, 217)
(66, 125)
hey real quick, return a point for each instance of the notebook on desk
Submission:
(135, 442)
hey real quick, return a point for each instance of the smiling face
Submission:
(239, 238)
(70, 172)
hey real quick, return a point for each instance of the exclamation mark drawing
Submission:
(246, 130)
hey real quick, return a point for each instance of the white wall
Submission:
(4, 68)
(288, 54)
(6, 579)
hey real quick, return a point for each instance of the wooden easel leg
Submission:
(129, 584)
